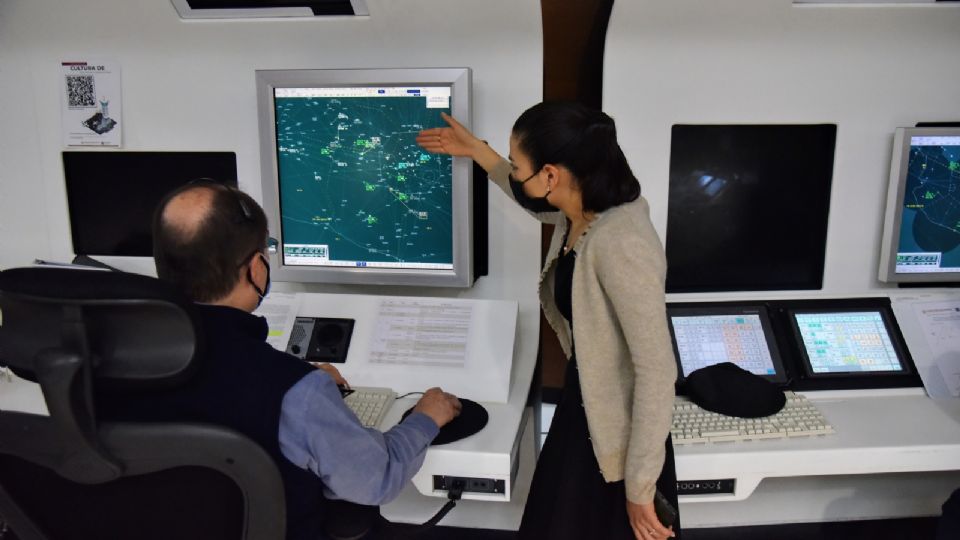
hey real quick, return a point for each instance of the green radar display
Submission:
(355, 188)
(929, 235)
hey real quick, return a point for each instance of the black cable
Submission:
(439, 515)
(409, 394)
(453, 495)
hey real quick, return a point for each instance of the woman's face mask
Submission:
(533, 204)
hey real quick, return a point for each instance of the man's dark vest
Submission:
(240, 383)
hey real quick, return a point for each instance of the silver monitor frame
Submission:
(893, 216)
(459, 81)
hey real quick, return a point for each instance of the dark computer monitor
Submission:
(741, 334)
(111, 195)
(841, 342)
(350, 195)
(748, 207)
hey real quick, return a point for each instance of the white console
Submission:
(488, 374)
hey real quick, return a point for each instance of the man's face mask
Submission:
(533, 204)
(261, 294)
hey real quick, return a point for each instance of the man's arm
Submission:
(357, 464)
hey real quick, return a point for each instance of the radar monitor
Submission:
(847, 342)
(703, 336)
(921, 230)
(350, 195)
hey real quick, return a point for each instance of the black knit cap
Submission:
(728, 389)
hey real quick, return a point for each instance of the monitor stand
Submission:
(86, 260)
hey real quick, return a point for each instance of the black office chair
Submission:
(71, 475)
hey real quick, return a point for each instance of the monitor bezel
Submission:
(892, 336)
(459, 81)
(780, 376)
(694, 276)
(893, 215)
(120, 163)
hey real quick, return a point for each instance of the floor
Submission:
(900, 529)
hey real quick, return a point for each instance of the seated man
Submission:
(209, 241)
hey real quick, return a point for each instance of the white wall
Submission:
(189, 85)
(869, 69)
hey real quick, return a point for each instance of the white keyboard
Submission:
(370, 404)
(798, 418)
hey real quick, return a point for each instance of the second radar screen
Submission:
(355, 188)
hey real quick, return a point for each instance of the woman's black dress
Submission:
(569, 498)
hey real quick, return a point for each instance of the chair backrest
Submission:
(70, 475)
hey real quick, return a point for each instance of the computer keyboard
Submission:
(798, 418)
(370, 404)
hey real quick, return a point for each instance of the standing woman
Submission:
(602, 290)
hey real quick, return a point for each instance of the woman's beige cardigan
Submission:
(624, 354)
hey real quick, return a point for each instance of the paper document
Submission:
(940, 322)
(931, 327)
(422, 332)
(21, 395)
(71, 266)
(280, 310)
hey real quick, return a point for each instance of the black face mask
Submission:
(533, 204)
(261, 294)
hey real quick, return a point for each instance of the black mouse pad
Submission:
(473, 417)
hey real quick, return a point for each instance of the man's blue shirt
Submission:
(357, 464)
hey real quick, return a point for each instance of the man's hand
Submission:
(333, 372)
(646, 526)
(440, 406)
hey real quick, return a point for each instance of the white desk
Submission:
(488, 358)
(489, 375)
(413, 507)
(888, 444)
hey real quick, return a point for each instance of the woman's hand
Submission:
(646, 525)
(455, 140)
(333, 372)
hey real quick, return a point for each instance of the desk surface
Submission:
(428, 332)
(877, 431)
(499, 362)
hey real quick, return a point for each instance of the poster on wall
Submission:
(91, 112)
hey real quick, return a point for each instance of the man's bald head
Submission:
(203, 235)
(186, 211)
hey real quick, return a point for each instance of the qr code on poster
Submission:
(80, 91)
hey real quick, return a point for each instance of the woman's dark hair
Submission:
(584, 141)
(204, 265)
